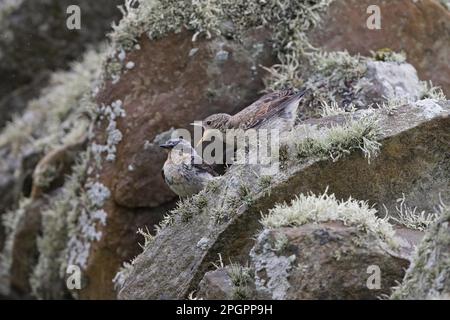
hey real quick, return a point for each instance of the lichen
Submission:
(311, 208)
(387, 55)
(48, 274)
(428, 275)
(338, 141)
(10, 221)
(241, 277)
(288, 20)
(271, 270)
(114, 136)
(411, 218)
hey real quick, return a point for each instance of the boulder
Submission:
(419, 28)
(323, 261)
(189, 81)
(411, 159)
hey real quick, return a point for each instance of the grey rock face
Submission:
(412, 159)
(323, 261)
(390, 80)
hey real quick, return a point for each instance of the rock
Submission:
(322, 261)
(390, 80)
(182, 89)
(419, 28)
(216, 285)
(36, 42)
(428, 275)
(228, 283)
(411, 160)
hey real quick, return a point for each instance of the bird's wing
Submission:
(266, 107)
(203, 166)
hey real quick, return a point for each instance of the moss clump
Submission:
(339, 141)
(428, 275)
(323, 208)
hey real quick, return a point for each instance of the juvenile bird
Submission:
(184, 170)
(276, 110)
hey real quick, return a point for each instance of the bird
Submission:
(184, 171)
(276, 110)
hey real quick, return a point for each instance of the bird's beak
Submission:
(197, 124)
(165, 146)
(200, 142)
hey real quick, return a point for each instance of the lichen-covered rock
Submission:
(323, 261)
(419, 28)
(390, 80)
(428, 276)
(233, 282)
(35, 42)
(411, 159)
(186, 85)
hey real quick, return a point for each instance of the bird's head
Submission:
(212, 123)
(177, 143)
(216, 121)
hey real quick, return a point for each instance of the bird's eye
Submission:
(208, 122)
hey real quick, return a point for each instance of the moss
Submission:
(316, 209)
(427, 277)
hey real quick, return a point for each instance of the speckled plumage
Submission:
(274, 110)
(184, 171)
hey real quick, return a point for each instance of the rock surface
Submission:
(428, 274)
(323, 261)
(184, 87)
(419, 28)
(407, 155)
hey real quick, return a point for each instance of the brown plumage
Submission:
(276, 110)
(279, 104)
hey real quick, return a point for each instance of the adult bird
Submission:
(184, 171)
(276, 110)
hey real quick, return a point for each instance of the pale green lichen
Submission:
(330, 109)
(48, 274)
(338, 141)
(411, 218)
(10, 221)
(387, 55)
(429, 91)
(428, 276)
(311, 208)
(288, 21)
(240, 277)
(49, 119)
